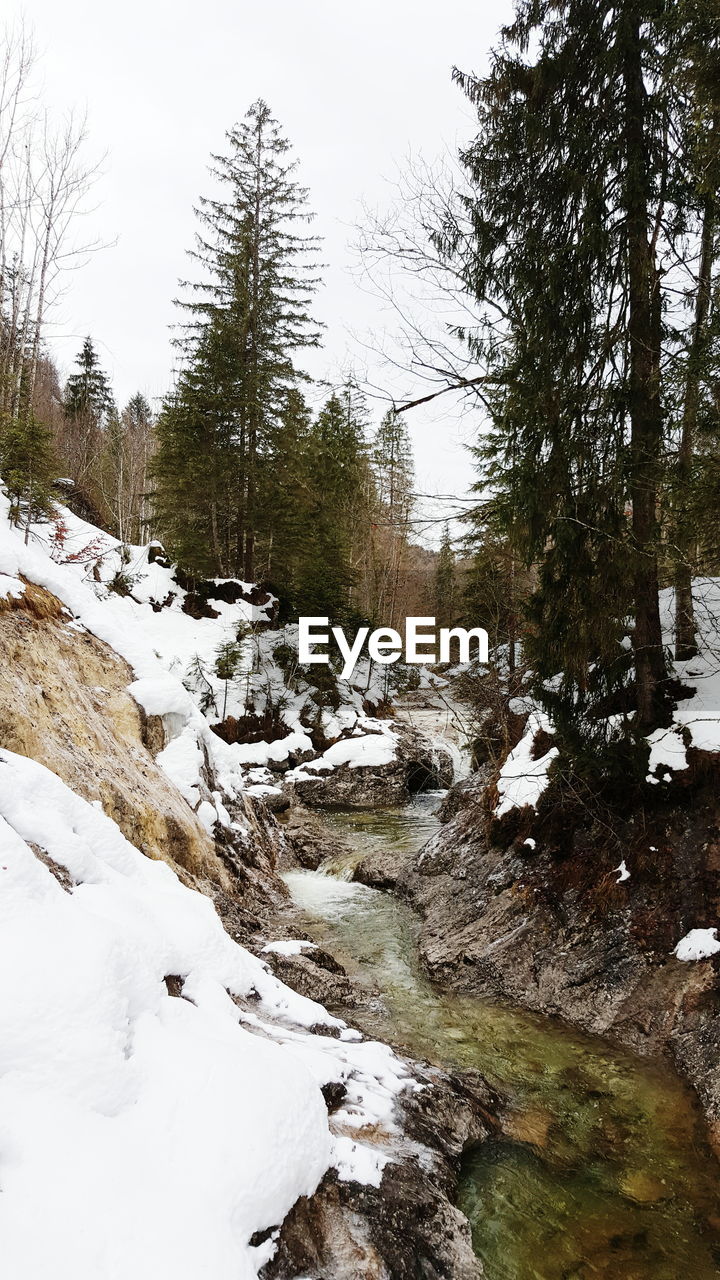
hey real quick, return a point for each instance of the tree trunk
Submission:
(685, 631)
(644, 331)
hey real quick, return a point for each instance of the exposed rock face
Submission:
(553, 931)
(408, 1227)
(309, 840)
(418, 766)
(64, 703)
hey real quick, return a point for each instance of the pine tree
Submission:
(337, 470)
(139, 426)
(445, 584)
(392, 463)
(197, 495)
(287, 501)
(696, 60)
(392, 475)
(88, 393)
(248, 317)
(88, 403)
(29, 468)
(574, 209)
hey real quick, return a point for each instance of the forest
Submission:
(580, 225)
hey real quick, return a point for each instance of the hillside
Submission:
(136, 1030)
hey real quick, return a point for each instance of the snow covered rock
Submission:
(381, 766)
(698, 944)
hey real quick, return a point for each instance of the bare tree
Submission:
(44, 183)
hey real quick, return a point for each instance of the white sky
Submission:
(355, 87)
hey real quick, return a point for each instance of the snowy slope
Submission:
(173, 657)
(160, 1089)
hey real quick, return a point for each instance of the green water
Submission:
(608, 1173)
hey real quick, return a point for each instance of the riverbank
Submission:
(564, 937)
(605, 1149)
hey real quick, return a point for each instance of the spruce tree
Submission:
(28, 468)
(391, 497)
(248, 316)
(445, 584)
(88, 392)
(575, 208)
(288, 503)
(696, 64)
(392, 464)
(337, 471)
(88, 403)
(197, 495)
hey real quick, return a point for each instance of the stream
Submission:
(608, 1172)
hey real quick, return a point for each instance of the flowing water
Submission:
(607, 1175)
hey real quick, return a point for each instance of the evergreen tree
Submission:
(288, 502)
(337, 470)
(576, 210)
(28, 466)
(696, 66)
(87, 392)
(392, 464)
(88, 403)
(445, 585)
(391, 499)
(196, 496)
(248, 316)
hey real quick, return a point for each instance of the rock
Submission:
(419, 765)
(309, 840)
(641, 1186)
(407, 1227)
(314, 974)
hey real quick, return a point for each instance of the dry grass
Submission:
(36, 601)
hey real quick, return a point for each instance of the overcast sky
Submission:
(356, 87)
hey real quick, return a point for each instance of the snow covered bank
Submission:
(128, 1106)
(178, 647)
(162, 1104)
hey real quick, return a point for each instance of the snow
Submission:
(173, 656)
(623, 873)
(522, 780)
(667, 751)
(289, 947)
(211, 1101)
(698, 944)
(371, 749)
(10, 586)
(363, 750)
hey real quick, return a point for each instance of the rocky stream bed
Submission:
(571, 1155)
